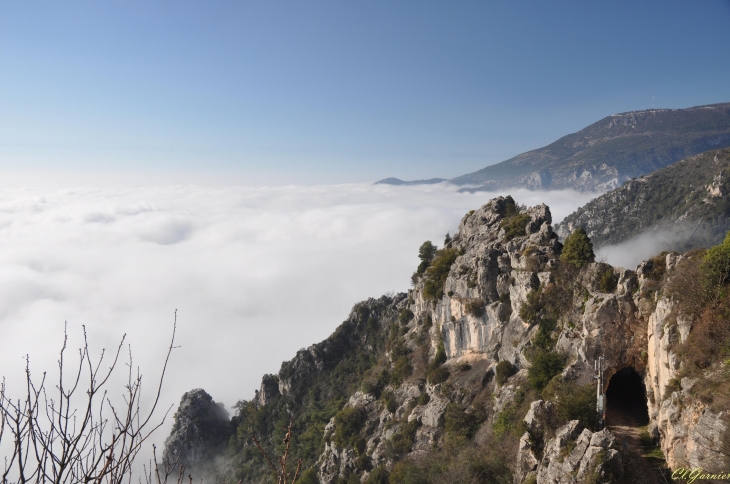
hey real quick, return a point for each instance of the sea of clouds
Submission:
(255, 273)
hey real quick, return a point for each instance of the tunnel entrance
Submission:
(626, 399)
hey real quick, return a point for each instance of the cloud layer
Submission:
(255, 272)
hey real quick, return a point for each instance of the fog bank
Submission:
(255, 272)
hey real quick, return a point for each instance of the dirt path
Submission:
(640, 467)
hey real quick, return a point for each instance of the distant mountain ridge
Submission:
(398, 181)
(687, 196)
(609, 152)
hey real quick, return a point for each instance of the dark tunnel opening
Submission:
(626, 399)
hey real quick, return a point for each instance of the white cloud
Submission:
(632, 252)
(255, 273)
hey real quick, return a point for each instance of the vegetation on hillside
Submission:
(320, 380)
(676, 198)
(700, 285)
(437, 272)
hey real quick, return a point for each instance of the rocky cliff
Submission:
(484, 372)
(199, 434)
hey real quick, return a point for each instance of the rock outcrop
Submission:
(500, 274)
(691, 433)
(199, 434)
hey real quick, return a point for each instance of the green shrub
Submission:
(475, 307)
(437, 374)
(607, 280)
(715, 268)
(375, 382)
(459, 422)
(348, 423)
(545, 365)
(510, 207)
(407, 472)
(515, 226)
(390, 402)
(437, 272)
(309, 477)
(530, 309)
(426, 253)
(543, 340)
(572, 402)
(657, 267)
(379, 475)
(402, 369)
(505, 369)
(440, 357)
(577, 249)
(401, 443)
(423, 399)
(508, 422)
(405, 316)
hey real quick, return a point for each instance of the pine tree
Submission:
(578, 249)
(426, 253)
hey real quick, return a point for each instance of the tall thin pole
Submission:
(600, 396)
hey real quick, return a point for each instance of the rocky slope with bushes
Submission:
(689, 199)
(484, 371)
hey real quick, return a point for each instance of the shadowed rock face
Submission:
(200, 432)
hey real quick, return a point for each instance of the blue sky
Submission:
(327, 92)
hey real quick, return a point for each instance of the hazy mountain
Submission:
(615, 149)
(398, 181)
(675, 199)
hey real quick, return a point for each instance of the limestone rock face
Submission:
(269, 390)
(691, 434)
(591, 457)
(200, 431)
(496, 273)
(500, 273)
(628, 326)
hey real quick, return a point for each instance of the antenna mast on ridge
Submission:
(600, 396)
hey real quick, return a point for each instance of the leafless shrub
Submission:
(56, 441)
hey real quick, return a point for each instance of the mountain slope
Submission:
(675, 198)
(615, 149)
(484, 371)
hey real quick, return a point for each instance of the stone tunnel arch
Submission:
(626, 402)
